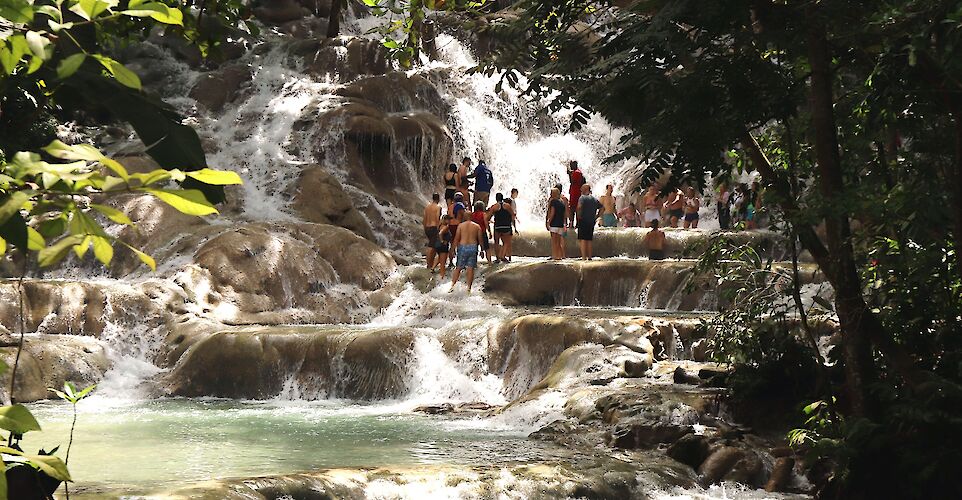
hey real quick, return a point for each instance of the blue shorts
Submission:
(467, 256)
(609, 220)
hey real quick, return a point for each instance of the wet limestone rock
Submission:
(320, 198)
(313, 362)
(523, 349)
(589, 364)
(215, 89)
(345, 58)
(690, 449)
(49, 361)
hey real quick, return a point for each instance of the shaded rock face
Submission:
(320, 198)
(522, 350)
(345, 58)
(49, 361)
(308, 362)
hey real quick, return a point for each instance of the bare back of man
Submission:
(655, 242)
(466, 239)
(432, 222)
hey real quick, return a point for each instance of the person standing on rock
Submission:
(464, 179)
(503, 214)
(443, 246)
(514, 206)
(480, 217)
(589, 210)
(631, 215)
(455, 210)
(609, 218)
(724, 210)
(692, 205)
(450, 183)
(483, 182)
(676, 207)
(576, 179)
(431, 221)
(651, 205)
(654, 241)
(466, 241)
(554, 222)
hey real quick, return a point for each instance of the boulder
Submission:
(320, 198)
(781, 475)
(719, 463)
(47, 361)
(346, 58)
(582, 364)
(690, 449)
(634, 436)
(280, 11)
(215, 89)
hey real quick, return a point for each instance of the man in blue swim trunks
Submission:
(609, 217)
(466, 241)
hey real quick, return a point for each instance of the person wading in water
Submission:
(654, 241)
(466, 241)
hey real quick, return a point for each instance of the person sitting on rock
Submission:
(654, 241)
(466, 241)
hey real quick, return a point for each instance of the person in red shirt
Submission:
(577, 179)
(480, 217)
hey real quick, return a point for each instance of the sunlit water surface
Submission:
(143, 446)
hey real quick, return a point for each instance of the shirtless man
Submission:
(609, 218)
(655, 242)
(514, 206)
(431, 221)
(651, 205)
(692, 204)
(676, 207)
(466, 241)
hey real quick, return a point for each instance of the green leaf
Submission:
(17, 419)
(12, 51)
(16, 11)
(63, 151)
(38, 45)
(51, 465)
(188, 201)
(14, 231)
(103, 250)
(113, 214)
(146, 259)
(120, 72)
(51, 12)
(3, 247)
(53, 254)
(35, 241)
(12, 204)
(156, 11)
(69, 65)
(216, 177)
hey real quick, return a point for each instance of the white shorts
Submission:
(557, 230)
(652, 214)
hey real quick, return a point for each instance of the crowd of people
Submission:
(458, 232)
(466, 230)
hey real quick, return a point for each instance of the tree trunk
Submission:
(849, 304)
(334, 20)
